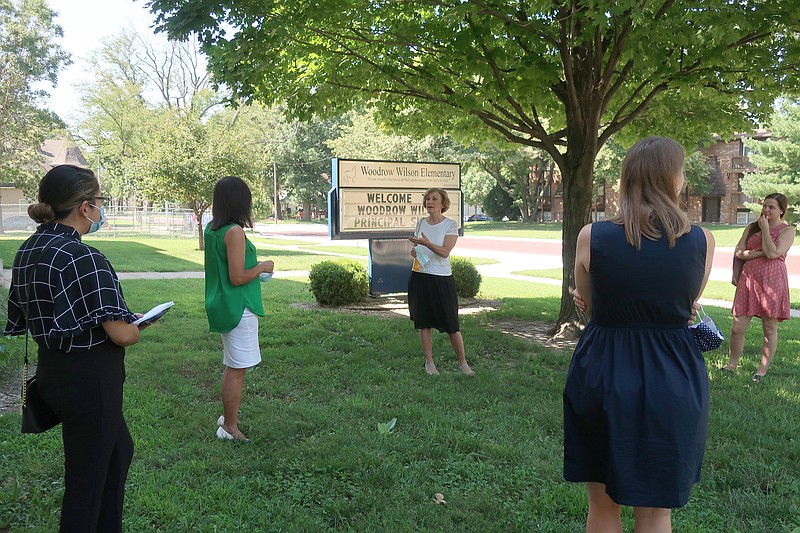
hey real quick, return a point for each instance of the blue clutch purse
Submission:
(707, 335)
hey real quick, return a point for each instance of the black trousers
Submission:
(85, 389)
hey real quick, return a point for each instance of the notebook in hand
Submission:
(153, 314)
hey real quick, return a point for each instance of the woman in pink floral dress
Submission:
(762, 289)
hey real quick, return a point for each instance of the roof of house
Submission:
(62, 152)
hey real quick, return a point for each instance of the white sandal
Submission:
(467, 370)
(430, 368)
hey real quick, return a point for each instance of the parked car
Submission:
(18, 222)
(480, 217)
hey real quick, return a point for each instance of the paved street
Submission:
(514, 254)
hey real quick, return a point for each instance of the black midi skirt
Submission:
(433, 302)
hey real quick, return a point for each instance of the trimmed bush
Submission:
(466, 276)
(339, 282)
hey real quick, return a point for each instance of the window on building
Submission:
(739, 162)
(745, 216)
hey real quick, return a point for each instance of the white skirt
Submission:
(240, 345)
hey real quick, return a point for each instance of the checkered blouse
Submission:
(71, 292)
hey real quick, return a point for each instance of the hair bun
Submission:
(41, 213)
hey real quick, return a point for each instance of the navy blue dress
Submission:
(636, 395)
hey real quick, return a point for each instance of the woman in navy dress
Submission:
(636, 395)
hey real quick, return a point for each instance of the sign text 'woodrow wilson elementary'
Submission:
(386, 198)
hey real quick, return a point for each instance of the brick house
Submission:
(723, 204)
(729, 161)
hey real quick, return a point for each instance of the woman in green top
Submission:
(233, 293)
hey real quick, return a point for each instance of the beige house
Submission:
(54, 152)
(14, 203)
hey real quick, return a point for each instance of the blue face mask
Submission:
(99, 224)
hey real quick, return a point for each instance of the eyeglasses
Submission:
(103, 198)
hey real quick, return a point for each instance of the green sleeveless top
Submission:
(225, 302)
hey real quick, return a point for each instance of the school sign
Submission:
(384, 199)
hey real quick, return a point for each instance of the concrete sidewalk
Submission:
(497, 270)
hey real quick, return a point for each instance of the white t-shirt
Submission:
(438, 266)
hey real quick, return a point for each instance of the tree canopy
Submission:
(157, 127)
(777, 158)
(561, 76)
(29, 57)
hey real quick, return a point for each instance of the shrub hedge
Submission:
(339, 282)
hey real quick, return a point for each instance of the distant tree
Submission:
(519, 171)
(498, 204)
(115, 125)
(137, 83)
(698, 174)
(777, 158)
(361, 136)
(263, 129)
(476, 185)
(304, 160)
(29, 56)
(161, 132)
(186, 157)
(609, 164)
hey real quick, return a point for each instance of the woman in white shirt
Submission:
(432, 299)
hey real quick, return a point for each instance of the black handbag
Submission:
(37, 416)
(707, 335)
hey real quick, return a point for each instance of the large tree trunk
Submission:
(583, 95)
(577, 199)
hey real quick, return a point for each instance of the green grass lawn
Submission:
(154, 254)
(716, 290)
(724, 236)
(544, 230)
(492, 444)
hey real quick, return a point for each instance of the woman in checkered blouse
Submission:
(68, 296)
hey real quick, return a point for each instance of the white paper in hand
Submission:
(153, 314)
(422, 255)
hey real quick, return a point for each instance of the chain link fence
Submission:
(165, 220)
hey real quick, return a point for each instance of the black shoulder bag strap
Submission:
(27, 318)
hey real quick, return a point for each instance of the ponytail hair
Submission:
(61, 190)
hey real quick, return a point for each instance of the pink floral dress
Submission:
(763, 288)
